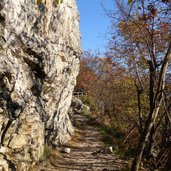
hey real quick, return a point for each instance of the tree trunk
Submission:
(151, 98)
(152, 116)
(151, 142)
(139, 92)
(143, 139)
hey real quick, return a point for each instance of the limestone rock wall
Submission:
(39, 62)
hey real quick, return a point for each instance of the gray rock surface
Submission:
(76, 105)
(39, 62)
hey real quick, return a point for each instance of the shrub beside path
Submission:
(87, 151)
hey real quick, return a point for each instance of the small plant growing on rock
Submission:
(57, 2)
(46, 153)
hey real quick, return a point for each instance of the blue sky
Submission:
(94, 24)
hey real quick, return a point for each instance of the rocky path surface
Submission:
(87, 151)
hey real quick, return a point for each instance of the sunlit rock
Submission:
(39, 62)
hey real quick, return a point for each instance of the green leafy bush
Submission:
(85, 110)
(89, 101)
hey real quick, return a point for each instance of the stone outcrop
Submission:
(76, 106)
(39, 62)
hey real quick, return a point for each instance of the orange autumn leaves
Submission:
(86, 76)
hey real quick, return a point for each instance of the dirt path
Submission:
(87, 151)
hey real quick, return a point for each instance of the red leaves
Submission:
(152, 9)
(86, 76)
(154, 12)
(144, 17)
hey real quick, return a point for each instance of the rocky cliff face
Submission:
(39, 62)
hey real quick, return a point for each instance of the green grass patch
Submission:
(46, 153)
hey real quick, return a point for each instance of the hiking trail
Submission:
(87, 152)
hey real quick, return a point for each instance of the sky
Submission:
(94, 24)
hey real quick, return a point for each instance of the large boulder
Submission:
(39, 62)
(76, 105)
